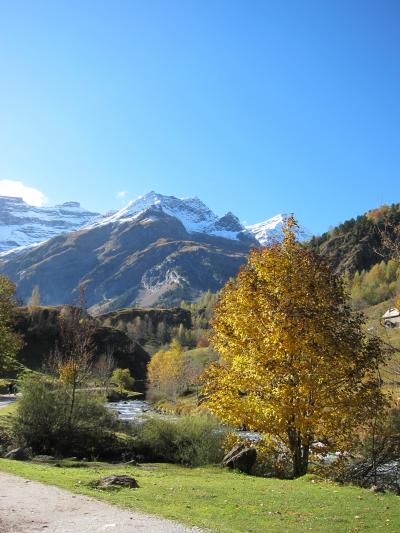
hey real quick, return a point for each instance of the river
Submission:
(131, 410)
(138, 410)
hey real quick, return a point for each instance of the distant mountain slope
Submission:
(356, 245)
(150, 259)
(23, 225)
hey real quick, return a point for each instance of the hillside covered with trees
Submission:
(359, 243)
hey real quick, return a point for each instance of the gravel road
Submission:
(29, 507)
(6, 399)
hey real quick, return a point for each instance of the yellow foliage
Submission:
(295, 363)
(165, 372)
(67, 372)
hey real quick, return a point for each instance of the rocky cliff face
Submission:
(357, 244)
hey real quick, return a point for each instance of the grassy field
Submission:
(225, 501)
(5, 412)
(8, 409)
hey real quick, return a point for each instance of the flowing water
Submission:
(131, 410)
(138, 410)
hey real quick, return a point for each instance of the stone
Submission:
(118, 481)
(19, 454)
(376, 488)
(241, 457)
(44, 458)
(132, 462)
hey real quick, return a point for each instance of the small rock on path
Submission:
(30, 507)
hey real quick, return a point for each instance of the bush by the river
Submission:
(43, 420)
(375, 458)
(187, 440)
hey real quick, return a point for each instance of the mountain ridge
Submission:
(22, 225)
(356, 244)
(148, 260)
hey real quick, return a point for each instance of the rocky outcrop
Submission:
(241, 457)
(39, 328)
(357, 244)
(19, 454)
(118, 481)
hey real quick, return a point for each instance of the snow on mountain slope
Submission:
(264, 231)
(24, 225)
(195, 216)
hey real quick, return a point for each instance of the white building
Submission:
(391, 319)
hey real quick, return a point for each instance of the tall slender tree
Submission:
(73, 356)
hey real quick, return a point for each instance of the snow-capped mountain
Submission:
(264, 231)
(24, 225)
(157, 250)
(195, 216)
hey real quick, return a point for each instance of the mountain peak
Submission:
(24, 225)
(268, 229)
(195, 216)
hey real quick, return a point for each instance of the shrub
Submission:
(121, 377)
(43, 421)
(188, 440)
(374, 460)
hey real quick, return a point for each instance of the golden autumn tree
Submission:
(166, 373)
(295, 363)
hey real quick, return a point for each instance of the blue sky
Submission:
(257, 107)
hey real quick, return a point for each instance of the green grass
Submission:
(225, 501)
(5, 414)
(8, 409)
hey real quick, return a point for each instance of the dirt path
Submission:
(6, 399)
(29, 507)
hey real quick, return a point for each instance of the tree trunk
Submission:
(300, 453)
